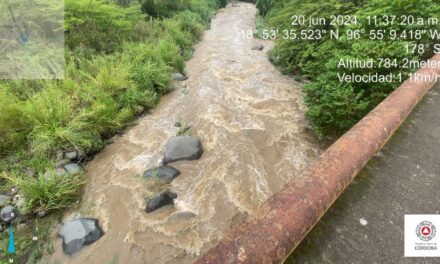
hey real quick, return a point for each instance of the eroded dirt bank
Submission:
(250, 119)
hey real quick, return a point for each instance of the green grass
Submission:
(12, 123)
(334, 107)
(48, 192)
(118, 60)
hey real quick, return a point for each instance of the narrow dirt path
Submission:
(250, 119)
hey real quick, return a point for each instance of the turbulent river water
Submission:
(250, 120)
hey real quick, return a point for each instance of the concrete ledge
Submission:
(286, 218)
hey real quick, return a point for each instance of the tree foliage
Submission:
(334, 106)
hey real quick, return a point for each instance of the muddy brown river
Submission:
(250, 120)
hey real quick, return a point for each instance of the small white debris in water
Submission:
(363, 222)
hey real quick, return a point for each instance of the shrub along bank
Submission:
(335, 106)
(119, 58)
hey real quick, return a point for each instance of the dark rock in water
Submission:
(165, 173)
(72, 168)
(72, 155)
(162, 199)
(258, 47)
(179, 77)
(182, 148)
(8, 213)
(4, 200)
(78, 233)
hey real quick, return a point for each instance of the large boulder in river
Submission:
(165, 173)
(162, 199)
(182, 148)
(78, 233)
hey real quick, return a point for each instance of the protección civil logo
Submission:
(421, 238)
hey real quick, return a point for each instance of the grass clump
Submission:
(47, 192)
(167, 8)
(13, 125)
(163, 8)
(100, 26)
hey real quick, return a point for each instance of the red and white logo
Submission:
(420, 235)
(425, 230)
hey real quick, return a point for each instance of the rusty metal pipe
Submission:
(286, 217)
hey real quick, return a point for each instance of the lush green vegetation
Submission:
(119, 58)
(167, 8)
(47, 192)
(333, 106)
